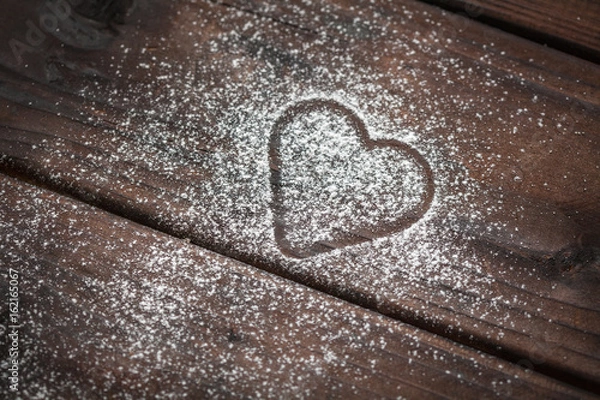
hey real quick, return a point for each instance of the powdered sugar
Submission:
(192, 150)
(333, 185)
(152, 316)
(209, 133)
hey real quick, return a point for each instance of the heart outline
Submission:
(275, 164)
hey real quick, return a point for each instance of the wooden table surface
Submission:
(301, 199)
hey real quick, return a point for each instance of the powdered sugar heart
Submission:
(334, 186)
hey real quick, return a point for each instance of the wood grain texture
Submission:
(570, 25)
(109, 308)
(169, 125)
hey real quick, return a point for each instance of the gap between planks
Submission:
(566, 25)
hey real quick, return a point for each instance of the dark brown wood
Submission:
(570, 25)
(111, 308)
(169, 124)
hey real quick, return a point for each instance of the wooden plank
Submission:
(107, 307)
(569, 25)
(173, 125)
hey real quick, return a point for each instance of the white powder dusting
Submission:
(153, 316)
(332, 183)
(202, 137)
(192, 145)
(192, 150)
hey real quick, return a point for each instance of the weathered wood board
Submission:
(112, 308)
(406, 159)
(570, 25)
